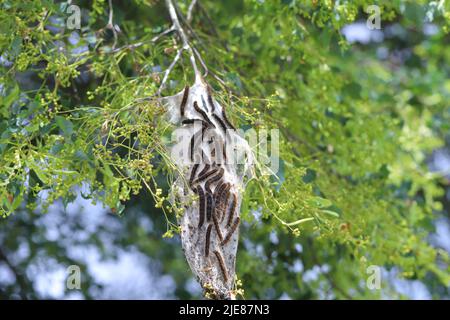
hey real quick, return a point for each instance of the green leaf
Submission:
(353, 90)
(319, 202)
(65, 125)
(331, 213)
(298, 222)
(16, 46)
(8, 100)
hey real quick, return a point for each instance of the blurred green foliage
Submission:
(357, 127)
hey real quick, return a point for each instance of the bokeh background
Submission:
(127, 257)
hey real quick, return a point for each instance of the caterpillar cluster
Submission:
(210, 223)
(215, 194)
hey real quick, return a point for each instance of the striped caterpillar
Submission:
(224, 206)
(231, 231)
(203, 113)
(197, 136)
(214, 179)
(184, 100)
(223, 268)
(232, 209)
(210, 100)
(201, 196)
(205, 176)
(209, 204)
(207, 240)
(193, 172)
(222, 124)
(217, 227)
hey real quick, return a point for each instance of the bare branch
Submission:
(111, 23)
(193, 52)
(169, 70)
(180, 30)
(141, 43)
(185, 46)
(191, 31)
(201, 62)
(187, 24)
(190, 9)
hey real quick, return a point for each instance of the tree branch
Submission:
(190, 9)
(185, 46)
(141, 43)
(110, 24)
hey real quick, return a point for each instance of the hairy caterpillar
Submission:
(222, 265)
(205, 176)
(223, 201)
(193, 172)
(217, 177)
(184, 100)
(203, 122)
(189, 121)
(224, 151)
(204, 170)
(198, 135)
(231, 231)
(193, 141)
(219, 190)
(209, 204)
(222, 124)
(232, 209)
(203, 113)
(219, 195)
(191, 148)
(225, 206)
(207, 241)
(201, 196)
(210, 100)
(217, 227)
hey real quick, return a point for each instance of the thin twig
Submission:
(111, 24)
(187, 23)
(185, 46)
(188, 26)
(152, 40)
(170, 68)
(201, 62)
(190, 9)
